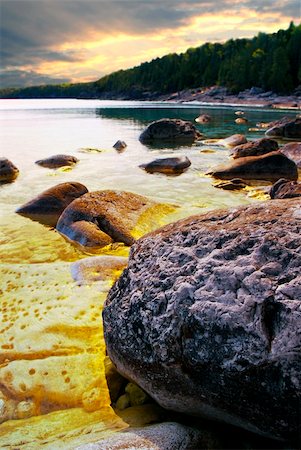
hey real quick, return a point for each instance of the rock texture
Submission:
(97, 268)
(170, 130)
(167, 165)
(8, 171)
(293, 152)
(286, 128)
(47, 207)
(268, 167)
(56, 161)
(206, 318)
(100, 218)
(254, 148)
(285, 189)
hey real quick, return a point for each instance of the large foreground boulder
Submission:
(206, 318)
(286, 128)
(103, 217)
(254, 148)
(8, 171)
(293, 152)
(170, 130)
(56, 161)
(268, 167)
(47, 207)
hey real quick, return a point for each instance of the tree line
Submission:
(268, 61)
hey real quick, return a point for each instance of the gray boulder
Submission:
(8, 171)
(170, 130)
(293, 152)
(47, 207)
(206, 318)
(285, 189)
(254, 148)
(269, 167)
(56, 161)
(167, 165)
(286, 128)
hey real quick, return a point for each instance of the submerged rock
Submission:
(293, 152)
(8, 171)
(234, 140)
(285, 189)
(96, 268)
(232, 185)
(170, 130)
(47, 207)
(254, 148)
(167, 165)
(206, 317)
(203, 118)
(286, 128)
(56, 161)
(268, 167)
(100, 218)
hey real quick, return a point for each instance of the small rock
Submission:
(167, 165)
(136, 394)
(120, 146)
(95, 268)
(8, 171)
(254, 148)
(170, 130)
(231, 185)
(56, 161)
(234, 140)
(239, 113)
(241, 120)
(123, 402)
(25, 409)
(203, 118)
(285, 189)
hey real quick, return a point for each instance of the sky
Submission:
(56, 41)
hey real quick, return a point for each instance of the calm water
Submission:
(35, 129)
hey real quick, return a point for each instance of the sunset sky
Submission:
(53, 41)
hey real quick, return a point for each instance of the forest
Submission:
(268, 61)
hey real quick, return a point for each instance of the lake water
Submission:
(40, 305)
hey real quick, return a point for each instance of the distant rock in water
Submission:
(241, 120)
(170, 130)
(56, 161)
(293, 152)
(268, 167)
(203, 118)
(234, 140)
(8, 171)
(206, 317)
(167, 165)
(285, 189)
(120, 146)
(102, 217)
(47, 207)
(254, 148)
(286, 128)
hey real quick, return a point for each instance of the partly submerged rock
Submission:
(47, 207)
(293, 152)
(8, 171)
(234, 140)
(96, 268)
(232, 185)
(56, 161)
(203, 118)
(100, 218)
(254, 148)
(120, 146)
(170, 130)
(241, 120)
(167, 165)
(286, 128)
(206, 317)
(285, 189)
(269, 167)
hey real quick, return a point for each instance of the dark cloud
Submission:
(22, 78)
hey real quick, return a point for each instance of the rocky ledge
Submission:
(206, 318)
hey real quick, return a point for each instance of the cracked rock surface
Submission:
(206, 318)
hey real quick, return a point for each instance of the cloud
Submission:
(22, 78)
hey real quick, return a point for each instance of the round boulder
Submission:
(254, 148)
(206, 318)
(268, 167)
(56, 161)
(170, 130)
(285, 189)
(99, 218)
(8, 171)
(234, 140)
(167, 165)
(47, 207)
(293, 152)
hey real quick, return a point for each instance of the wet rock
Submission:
(120, 146)
(100, 218)
(239, 113)
(206, 317)
(96, 268)
(285, 189)
(254, 148)
(56, 161)
(170, 130)
(167, 165)
(231, 185)
(8, 171)
(268, 167)
(47, 207)
(293, 152)
(234, 140)
(241, 120)
(204, 118)
(286, 128)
